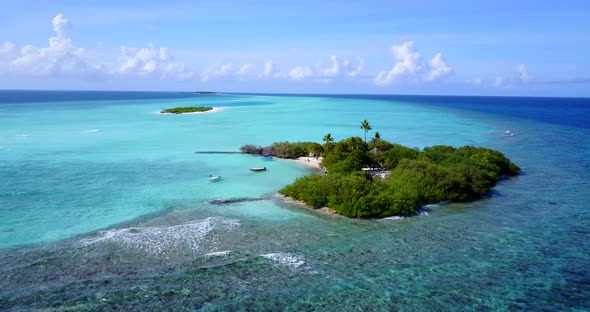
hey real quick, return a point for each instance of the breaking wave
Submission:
(288, 260)
(163, 240)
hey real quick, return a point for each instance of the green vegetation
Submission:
(285, 149)
(182, 110)
(435, 174)
(366, 128)
(328, 139)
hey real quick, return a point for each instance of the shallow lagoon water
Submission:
(105, 205)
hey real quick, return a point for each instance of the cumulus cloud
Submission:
(339, 69)
(332, 71)
(6, 47)
(150, 62)
(409, 66)
(351, 71)
(519, 76)
(319, 73)
(61, 57)
(176, 71)
(407, 62)
(522, 72)
(245, 70)
(300, 72)
(271, 70)
(61, 26)
(218, 71)
(438, 68)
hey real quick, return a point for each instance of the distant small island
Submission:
(183, 110)
(379, 179)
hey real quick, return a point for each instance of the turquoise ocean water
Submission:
(104, 204)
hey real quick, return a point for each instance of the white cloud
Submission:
(271, 70)
(407, 62)
(61, 57)
(499, 82)
(176, 71)
(409, 66)
(519, 76)
(245, 70)
(339, 69)
(218, 71)
(438, 68)
(351, 71)
(330, 71)
(300, 72)
(150, 62)
(477, 81)
(522, 72)
(7, 47)
(61, 26)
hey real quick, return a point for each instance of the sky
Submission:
(511, 48)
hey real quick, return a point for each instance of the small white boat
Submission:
(258, 169)
(214, 178)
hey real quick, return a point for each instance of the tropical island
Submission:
(184, 110)
(378, 179)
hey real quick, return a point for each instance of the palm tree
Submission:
(377, 137)
(366, 127)
(328, 138)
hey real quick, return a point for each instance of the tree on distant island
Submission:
(366, 127)
(183, 110)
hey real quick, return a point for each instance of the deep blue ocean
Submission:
(104, 205)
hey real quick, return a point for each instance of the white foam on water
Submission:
(508, 133)
(218, 253)
(422, 212)
(162, 240)
(23, 135)
(92, 130)
(394, 218)
(288, 260)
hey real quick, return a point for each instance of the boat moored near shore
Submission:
(214, 178)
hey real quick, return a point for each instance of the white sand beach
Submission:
(323, 210)
(310, 161)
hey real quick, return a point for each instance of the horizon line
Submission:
(298, 94)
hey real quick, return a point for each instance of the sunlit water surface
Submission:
(105, 205)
